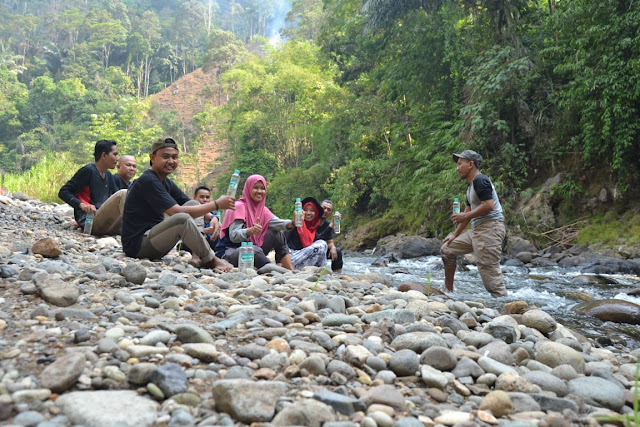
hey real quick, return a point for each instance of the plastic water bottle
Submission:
(88, 223)
(249, 256)
(242, 258)
(233, 184)
(336, 223)
(456, 206)
(297, 213)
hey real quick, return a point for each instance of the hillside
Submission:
(188, 97)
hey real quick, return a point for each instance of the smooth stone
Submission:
(467, 368)
(63, 373)
(140, 373)
(387, 395)
(192, 334)
(398, 315)
(108, 408)
(134, 273)
(418, 341)
(548, 382)
(404, 362)
(170, 378)
(205, 352)
(598, 391)
(342, 368)
(28, 418)
(339, 320)
(440, 358)
(540, 320)
(154, 337)
(307, 412)
(493, 366)
(523, 402)
(555, 354)
(341, 403)
(55, 291)
(477, 339)
(237, 398)
(252, 351)
(500, 351)
(356, 355)
(433, 377)
(314, 365)
(498, 402)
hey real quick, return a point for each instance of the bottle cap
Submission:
(297, 199)
(243, 244)
(249, 243)
(456, 200)
(237, 172)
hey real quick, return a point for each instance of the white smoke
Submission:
(277, 21)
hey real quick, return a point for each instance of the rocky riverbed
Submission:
(93, 338)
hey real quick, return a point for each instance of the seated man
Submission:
(145, 231)
(126, 169)
(209, 223)
(325, 230)
(92, 190)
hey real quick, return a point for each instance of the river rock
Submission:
(237, 398)
(170, 378)
(55, 291)
(307, 412)
(404, 363)
(613, 310)
(555, 354)
(418, 341)
(539, 320)
(63, 373)
(47, 247)
(548, 382)
(405, 247)
(134, 273)
(498, 402)
(598, 391)
(108, 408)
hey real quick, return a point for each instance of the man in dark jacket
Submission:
(92, 191)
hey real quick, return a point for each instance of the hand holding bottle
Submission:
(226, 202)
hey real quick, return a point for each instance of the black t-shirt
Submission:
(87, 186)
(482, 186)
(323, 232)
(117, 180)
(147, 200)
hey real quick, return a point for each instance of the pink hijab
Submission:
(248, 211)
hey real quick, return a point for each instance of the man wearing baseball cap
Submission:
(145, 231)
(487, 231)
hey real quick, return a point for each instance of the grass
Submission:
(611, 230)
(44, 179)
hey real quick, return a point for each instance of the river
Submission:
(548, 288)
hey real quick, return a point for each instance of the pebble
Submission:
(92, 337)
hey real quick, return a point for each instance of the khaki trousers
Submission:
(162, 237)
(108, 219)
(485, 241)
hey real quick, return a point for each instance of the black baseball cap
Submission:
(469, 155)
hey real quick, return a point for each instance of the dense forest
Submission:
(359, 101)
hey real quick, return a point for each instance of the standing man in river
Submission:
(487, 231)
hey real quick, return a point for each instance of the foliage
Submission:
(44, 179)
(611, 231)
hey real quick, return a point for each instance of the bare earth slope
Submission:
(187, 97)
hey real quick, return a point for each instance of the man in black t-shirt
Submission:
(145, 231)
(326, 231)
(487, 231)
(92, 190)
(126, 169)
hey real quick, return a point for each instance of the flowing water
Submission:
(548, 288)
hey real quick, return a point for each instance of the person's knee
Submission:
(181, 218)
(448, 257)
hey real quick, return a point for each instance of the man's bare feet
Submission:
(195, 261)
(218, 263)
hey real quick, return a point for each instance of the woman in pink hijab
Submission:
(253, 222)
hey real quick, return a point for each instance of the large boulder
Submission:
(403, 247)
(612, 310)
